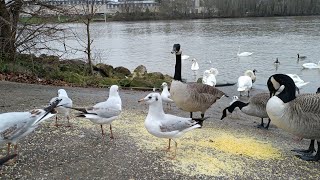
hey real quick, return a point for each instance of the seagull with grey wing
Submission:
(16, 125)
(64, 106)
(104, 112)
(164, 125)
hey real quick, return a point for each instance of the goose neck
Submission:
(177, 72)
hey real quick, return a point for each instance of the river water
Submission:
(213, 42)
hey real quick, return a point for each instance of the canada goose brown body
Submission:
(191, 97)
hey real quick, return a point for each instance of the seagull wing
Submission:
(174, 123)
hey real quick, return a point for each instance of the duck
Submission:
(64, 105)
(255, 107)
(191, 97)
(164, 125)
(301, 57)
(209, 77)
(297, 80)
(311, 65)
(277, 62)
(16, 125)
(104, 112)
(165, 94)
(298, 115)
(195, 65)
(243, 54)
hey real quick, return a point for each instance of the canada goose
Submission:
(164, 125)
(195, 65)
(277, 62)
(301, 57)
(191, 97)
(311, 65)
(64, 106)
(298, 115)
(255, 107)
(311, 148)
(16, 125)
(165, 94)
(243, 54)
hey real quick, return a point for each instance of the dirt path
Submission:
(232, 148)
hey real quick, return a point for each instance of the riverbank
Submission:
(228, 149)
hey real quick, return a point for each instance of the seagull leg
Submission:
(16, 151)
(308, 151)
(111, 135)
(175, 151)
(102, 132)
(68, 118)
(8, 150)
(57, 121)
(311, 158)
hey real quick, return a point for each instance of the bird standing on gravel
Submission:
(104, 112)
(63, 106)
(164, 125)
(16, 125)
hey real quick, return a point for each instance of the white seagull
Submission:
(311, 65)
(104, 112)
(164, 125)
(64, 106)
(16, 125)
(243, 54)
(165, 94)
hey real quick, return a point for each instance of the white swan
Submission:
(244, 84)
(209, 77)
(243, 54)
(311, 65)
(297, 80)
(195, 65)
(251, 74)
(184, 57)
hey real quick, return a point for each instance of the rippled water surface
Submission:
(149, 43)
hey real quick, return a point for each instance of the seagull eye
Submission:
(149, 97)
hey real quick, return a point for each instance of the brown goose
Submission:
(298, 115)
(191, 97)
(255, 107)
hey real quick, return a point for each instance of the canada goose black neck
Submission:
(288, 93)
(177, 71)
(232, 107)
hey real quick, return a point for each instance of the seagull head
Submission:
(114, 90)
(62, 92)
(151, 98)
(164, 84)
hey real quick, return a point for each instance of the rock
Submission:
(157, 75)
(121, 71)
(140, 71)
(104, 69)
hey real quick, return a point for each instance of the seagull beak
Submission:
(141, 100)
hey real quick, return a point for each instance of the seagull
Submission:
(64, 106)
(104, 112)
(16, 125)
(165, 94)
(164, 125)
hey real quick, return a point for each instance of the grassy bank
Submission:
(51, 70)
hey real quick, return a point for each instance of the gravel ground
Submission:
(79, 153)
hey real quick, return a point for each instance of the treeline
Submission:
(238, 8)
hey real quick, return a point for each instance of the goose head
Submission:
(282, 82)
(318, 90)
(176, 49)
(254, 71)
(152, 98)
